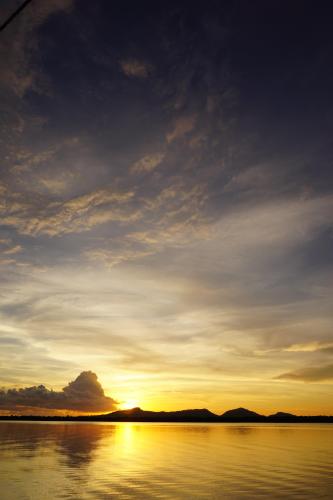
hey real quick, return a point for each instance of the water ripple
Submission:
(69, 461)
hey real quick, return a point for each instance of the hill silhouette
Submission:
(242, 415)
(137, 415)
(236, 415)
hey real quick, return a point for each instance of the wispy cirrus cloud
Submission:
(314, 346)
(135, 68)
(147, 163)
(310, 374)
(172, 209)
(32, 216)
(182, 126)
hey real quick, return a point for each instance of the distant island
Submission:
(238, 415)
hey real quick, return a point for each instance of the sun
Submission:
(129, 403)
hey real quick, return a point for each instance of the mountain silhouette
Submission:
(282, 416)
(139, 415)
(136, 414)
(242, 415)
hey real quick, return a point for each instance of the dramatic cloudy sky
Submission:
(166, 205)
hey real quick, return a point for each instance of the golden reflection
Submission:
(142, 460)
(124, 438)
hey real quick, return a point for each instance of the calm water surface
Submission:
(43, 461)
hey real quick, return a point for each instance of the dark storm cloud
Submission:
(84, 394)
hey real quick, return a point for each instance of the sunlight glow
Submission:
(129, 403)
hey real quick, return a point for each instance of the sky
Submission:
(166, 206)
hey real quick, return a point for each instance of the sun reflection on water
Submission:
(176, 461)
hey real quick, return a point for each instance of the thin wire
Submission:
(16, 13)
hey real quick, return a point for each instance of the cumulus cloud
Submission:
(84, 394)
(310, 374)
